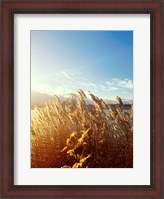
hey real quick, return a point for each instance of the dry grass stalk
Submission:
(75, 134)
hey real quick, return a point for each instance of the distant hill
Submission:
(40, 99)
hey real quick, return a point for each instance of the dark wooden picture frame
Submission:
(8, 9)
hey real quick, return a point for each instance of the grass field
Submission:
(81, 132)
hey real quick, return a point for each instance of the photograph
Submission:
(81, 99)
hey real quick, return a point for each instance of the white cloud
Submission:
(113, 88)
(109, 83)
(69, 81)
(89, 84)
(66, 75)
(117, 83)
(123, 83)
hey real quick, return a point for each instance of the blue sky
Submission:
(98, 61)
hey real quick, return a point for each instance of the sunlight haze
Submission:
(63, 62)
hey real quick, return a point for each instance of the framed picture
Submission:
(82, 99)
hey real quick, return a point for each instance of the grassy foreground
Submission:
(76, 134)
